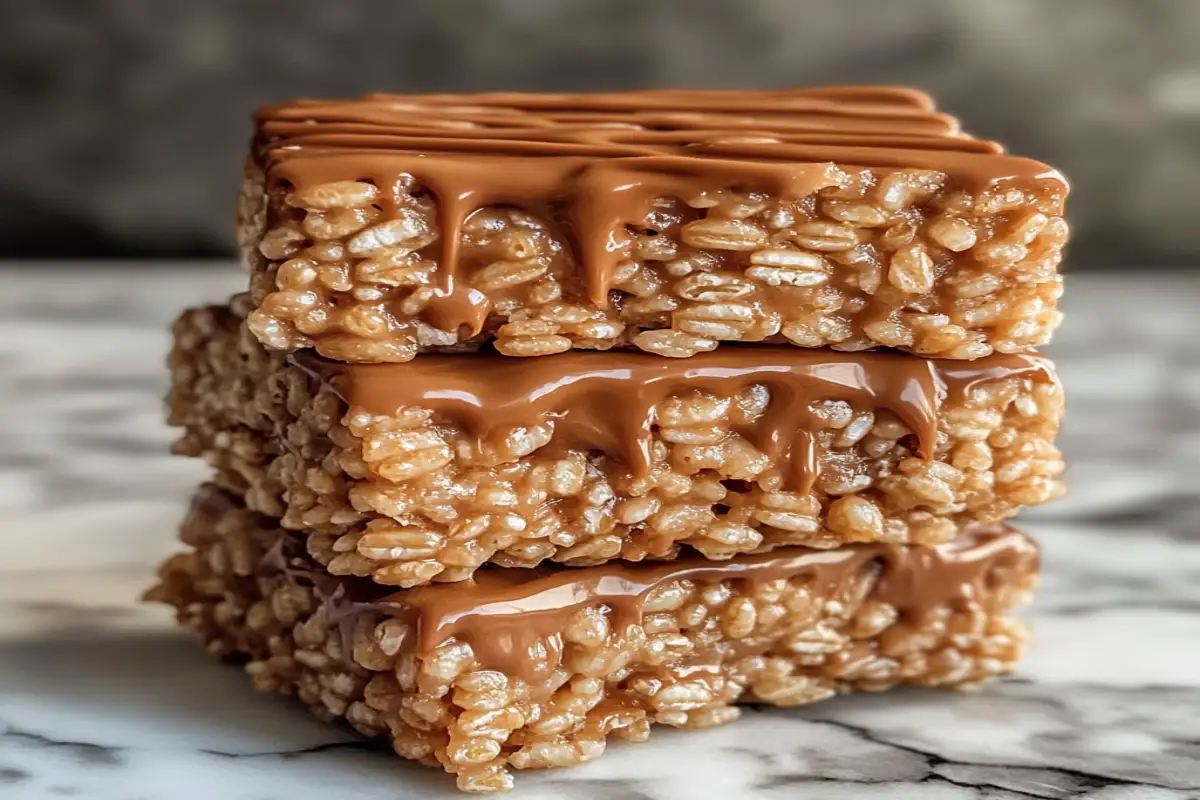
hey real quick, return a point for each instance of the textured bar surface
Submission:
(677, 644)
(668, 221)
(413, 496)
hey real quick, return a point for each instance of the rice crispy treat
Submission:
(668, 221)
(529, 670)
(419, 472)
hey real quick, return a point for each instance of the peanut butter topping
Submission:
(509, 616)
(598, 162)
(606, 401)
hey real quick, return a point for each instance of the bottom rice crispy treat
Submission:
(527, 669)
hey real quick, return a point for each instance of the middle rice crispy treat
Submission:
(419, 472)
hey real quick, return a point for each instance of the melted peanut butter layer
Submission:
(607, 157)
(510, 616)
(606, 401)
(507, 616)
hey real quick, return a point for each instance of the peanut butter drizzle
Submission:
(606, 401)
(510, 617)
(609, 156)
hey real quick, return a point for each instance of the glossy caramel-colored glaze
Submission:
(606, 401)
(507, 615)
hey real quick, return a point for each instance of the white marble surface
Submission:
(101, 698)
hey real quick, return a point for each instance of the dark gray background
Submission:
(123, 122)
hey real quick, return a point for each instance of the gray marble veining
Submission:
(101, 698)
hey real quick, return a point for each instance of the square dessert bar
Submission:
(665, 221)
(528, 669)
(425, 471)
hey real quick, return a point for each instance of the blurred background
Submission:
(125, 121)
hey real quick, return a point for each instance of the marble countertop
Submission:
(100, 697)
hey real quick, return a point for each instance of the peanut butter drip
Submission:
(510, 617)
(607, 157)
(607, 401)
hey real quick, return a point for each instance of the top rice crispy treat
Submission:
(670, 221)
